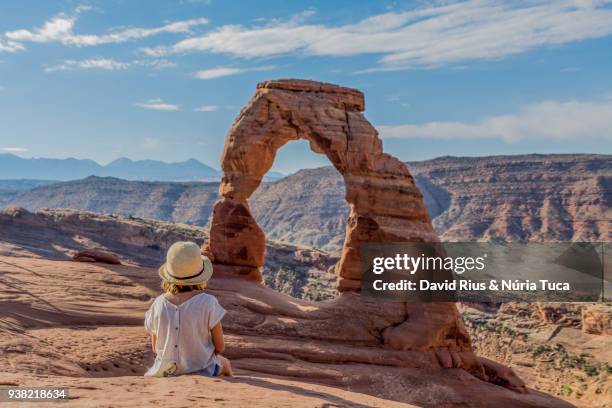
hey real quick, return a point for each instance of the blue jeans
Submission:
(206, 373)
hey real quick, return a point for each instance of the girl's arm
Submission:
(217, 338)
(153, 340)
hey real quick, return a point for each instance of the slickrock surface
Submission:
(249, 390)
(64, 318)
(80, 325)
(61, 233)
(385, 205)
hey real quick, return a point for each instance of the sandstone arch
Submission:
(385, 205)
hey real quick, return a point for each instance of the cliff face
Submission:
(509, 198)
(530, 197)
(307, 208)
(520, 198)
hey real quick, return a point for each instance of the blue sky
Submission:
(165, 79)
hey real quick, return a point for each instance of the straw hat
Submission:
(185, 265)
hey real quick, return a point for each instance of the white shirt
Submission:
(183, 333)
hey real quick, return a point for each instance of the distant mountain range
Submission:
(510, 198)
(15, 167)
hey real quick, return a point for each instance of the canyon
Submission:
(518, 198)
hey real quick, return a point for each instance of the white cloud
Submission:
(207, 108)
(158, 104)
(107, 64)
(424, 37)
(160, 51)
(13, 149)
(60, 29)
(219, 72)
(156, 63)
(10, 46)
(554, 120)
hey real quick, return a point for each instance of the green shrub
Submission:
(566, 390)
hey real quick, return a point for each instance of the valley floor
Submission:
(553, 357)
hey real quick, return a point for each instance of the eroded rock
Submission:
(345, 342)
(386, 205)
(597, 319)
(96, 255)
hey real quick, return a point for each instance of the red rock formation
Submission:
(597, 319)
(385, 204)
(416, 353)
(550, 312)
(74, 333)
(96, 255)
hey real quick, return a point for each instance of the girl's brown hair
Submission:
(174, 289)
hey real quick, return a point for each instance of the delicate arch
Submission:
(385, 205)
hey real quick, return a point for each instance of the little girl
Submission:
(184, 322)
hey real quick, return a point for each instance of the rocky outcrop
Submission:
(544, 344)
(96, 255)
(502, 375)
(46, 316)
(522, 198)
(597, 319)
(563, 314)
(385, 204)
(87, 334)
(62, 234)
